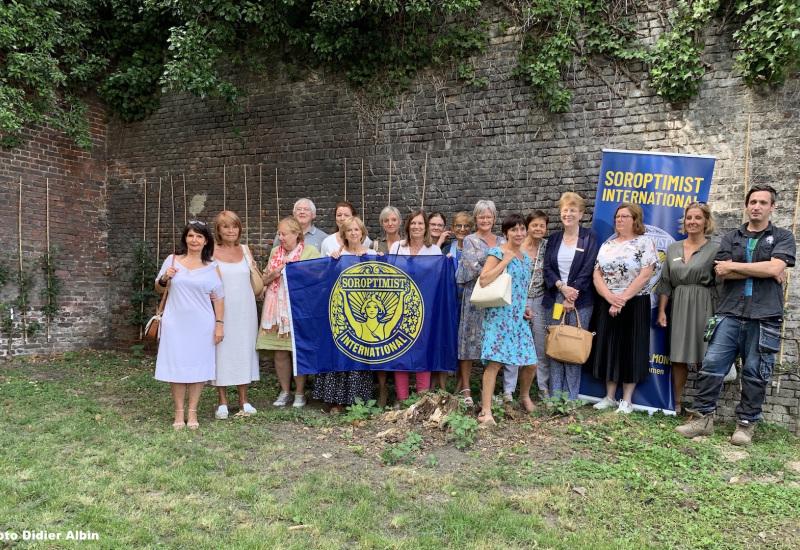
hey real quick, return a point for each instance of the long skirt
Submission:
(622, 344)
(343, 388)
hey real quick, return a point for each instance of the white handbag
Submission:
(495, 294)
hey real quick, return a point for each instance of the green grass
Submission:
(86, 444)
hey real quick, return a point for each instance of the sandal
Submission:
(193, 425)
(468, 399)
(527, 404)
(486, 420)
(181, 424)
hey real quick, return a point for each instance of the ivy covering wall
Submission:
(52, 52)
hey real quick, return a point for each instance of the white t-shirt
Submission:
(431, 250)
(330, 244)
(566, 254)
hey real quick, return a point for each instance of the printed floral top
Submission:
(621, 262)
(536, 287)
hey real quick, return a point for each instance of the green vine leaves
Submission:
(52, 53)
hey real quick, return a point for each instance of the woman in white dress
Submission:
(237, 359)
(339, 389)
(192, 325)
(417, 243)
(344, 210)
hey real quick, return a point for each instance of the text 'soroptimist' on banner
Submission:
(373, 313)
(663, 184)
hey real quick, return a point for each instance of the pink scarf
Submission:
(275, 316)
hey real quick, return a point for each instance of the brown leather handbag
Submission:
(152, 331)
(567, 343)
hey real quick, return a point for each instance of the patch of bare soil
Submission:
(361, 443)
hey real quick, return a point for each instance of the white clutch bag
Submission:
(495, 294)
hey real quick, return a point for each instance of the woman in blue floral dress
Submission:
(507, 337)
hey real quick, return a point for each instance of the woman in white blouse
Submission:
(417, 243)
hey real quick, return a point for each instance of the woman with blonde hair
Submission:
(568, 266)
(237, 359)
(621, 351)
(276, 329)
(339, 389)
(343, 211)
(470, 328)
(689, 285)
(417, 243)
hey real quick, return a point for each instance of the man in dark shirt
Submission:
(751, 260)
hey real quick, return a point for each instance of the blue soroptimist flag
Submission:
(663, 184)
(373, 313)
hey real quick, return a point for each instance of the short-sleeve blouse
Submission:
(536, 287)
(621, 262)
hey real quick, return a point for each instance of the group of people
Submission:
(210, 331)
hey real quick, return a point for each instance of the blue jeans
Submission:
(756, 342)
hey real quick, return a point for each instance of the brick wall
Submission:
(479, 143)
(78, 228)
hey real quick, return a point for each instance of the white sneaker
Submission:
(283, 399)
(604, 403)
(508, 397)
(624, 408)
(222, 412)
(299, 400)
(249, 409)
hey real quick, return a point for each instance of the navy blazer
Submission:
(580, 273)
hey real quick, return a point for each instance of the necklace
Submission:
(571, 237)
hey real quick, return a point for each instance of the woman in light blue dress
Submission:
(507, 337)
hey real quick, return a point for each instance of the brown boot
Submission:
(743, 435)
(699, 424)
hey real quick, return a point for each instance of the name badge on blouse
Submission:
(578, 249)
(677, 259)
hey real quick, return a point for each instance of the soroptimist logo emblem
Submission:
(375, 311)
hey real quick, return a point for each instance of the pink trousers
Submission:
(401, 381)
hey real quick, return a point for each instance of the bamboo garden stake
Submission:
(390, 182)
(144, 240)
(246, 226)
(185, 217)
(158, 223)
(260, 217)
(363, 208)
(49, 259)
(345, 178)
(424, 180)
(172, 192)
(23, 315)
(224, 186)
(746, 167)
(277, 198)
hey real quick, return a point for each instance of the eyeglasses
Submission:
(462, 225)
(484, 218)
(302, 209)
(197, 222)
(623, 217)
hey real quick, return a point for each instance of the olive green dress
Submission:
(692, 289)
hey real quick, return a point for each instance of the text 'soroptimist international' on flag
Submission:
(373, 313)
(663, 184)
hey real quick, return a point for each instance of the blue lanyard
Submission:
(748, 284)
